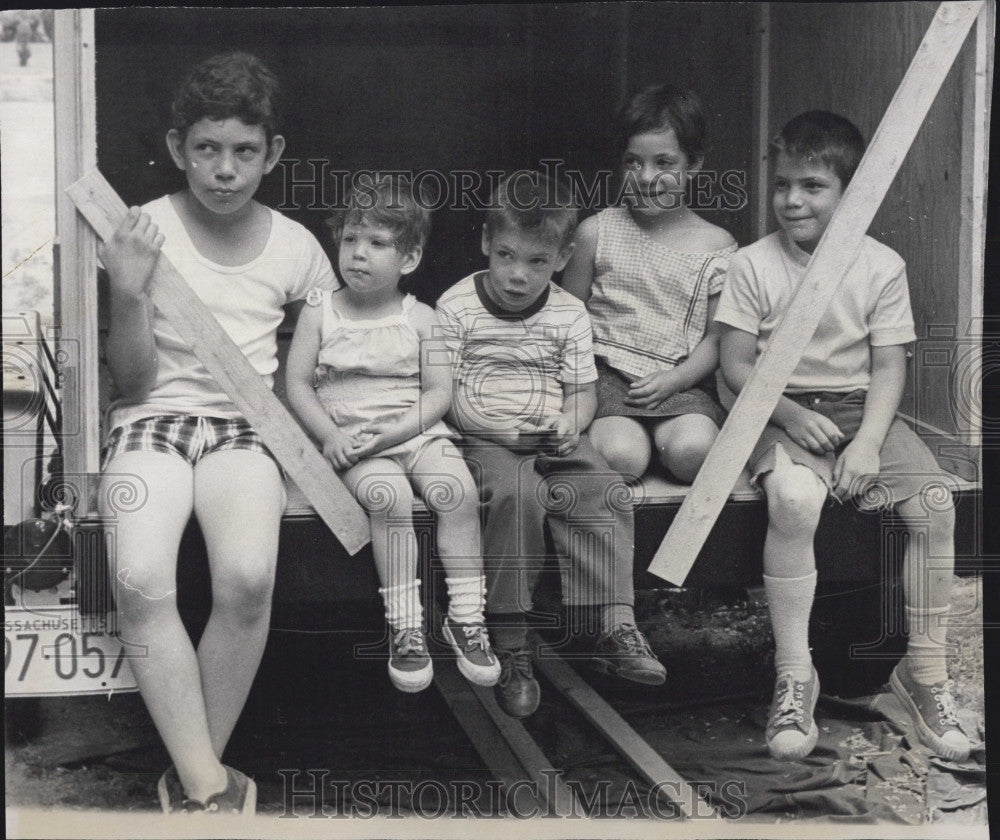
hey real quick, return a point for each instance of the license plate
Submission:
(54, 651)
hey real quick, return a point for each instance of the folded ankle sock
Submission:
(403, 609)
(925, 647)
(466, 599)
(789, 602)
(614, 614)
(509, 631)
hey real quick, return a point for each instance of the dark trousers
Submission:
(587, 507)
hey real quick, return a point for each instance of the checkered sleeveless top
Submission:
(648, 303)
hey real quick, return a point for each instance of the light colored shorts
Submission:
(906, 466)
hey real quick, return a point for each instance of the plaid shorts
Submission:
(190, 436)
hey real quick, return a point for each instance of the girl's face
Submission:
(656, 171)
(368, 259)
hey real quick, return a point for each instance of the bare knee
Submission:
(685, 456)
(932, 508)
(244, 589)
(142, 602)
(625, 447)
(795, 498)
(385, 496)
(452, 496)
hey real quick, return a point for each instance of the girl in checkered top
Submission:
(650, 272)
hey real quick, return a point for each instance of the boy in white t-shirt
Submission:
(175, 430)
(835, 432)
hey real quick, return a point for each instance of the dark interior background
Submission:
(499, 87)
(444, 88)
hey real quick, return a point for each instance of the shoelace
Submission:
(475, 636)
(518, 661)
(789, 707)
(409, 640)
(632, 639)
(947, 712)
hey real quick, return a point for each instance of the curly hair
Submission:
(232, 84)
(388, 202)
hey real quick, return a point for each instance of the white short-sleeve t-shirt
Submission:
(870, 309)
(247, 300)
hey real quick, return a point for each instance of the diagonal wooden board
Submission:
(830, 262)
(98, 203)
(668, 783)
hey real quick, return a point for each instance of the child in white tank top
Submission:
(369, 376)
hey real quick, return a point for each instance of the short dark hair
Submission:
(389, 202)
(232, 84)
(535, 204)
(660, 107)
(833, 139)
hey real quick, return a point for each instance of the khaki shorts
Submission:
(906, 466)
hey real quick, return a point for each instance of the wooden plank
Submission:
(486, 738)
(977, 82)
(76, 253)
(647, 761)
(827, 267)
(101, 206)
(761, 128)
(559, 798)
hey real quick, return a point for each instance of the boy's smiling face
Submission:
(806, 193)
(224, 161)
(521, 266)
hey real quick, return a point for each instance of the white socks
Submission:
(403, 609)
(790, 602)
(466, 599)
(925, 649)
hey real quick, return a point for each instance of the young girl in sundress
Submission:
(650, 272)
(370, 378)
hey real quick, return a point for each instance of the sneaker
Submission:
(791, 730)
(933, 711)
(625, 653)
(475, 658)
(239, 796)
(410, 666)
(517, 691)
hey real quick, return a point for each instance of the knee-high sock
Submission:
(790, 602)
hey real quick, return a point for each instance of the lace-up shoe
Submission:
(410, 666)
(791, 730)
(933, 711)
(517, 691)
(625, 653)
(475, 658)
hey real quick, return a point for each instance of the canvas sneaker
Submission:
(932, 709)
(625, 653)
(410, 666)
(791, 731)
(475, 658)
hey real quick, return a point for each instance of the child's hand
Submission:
(339, 449)
(376, 437)
(565, 435)
(131, 253)
(857, 465)
(814, 432)
(652, 389)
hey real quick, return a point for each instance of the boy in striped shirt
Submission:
(524, 393)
